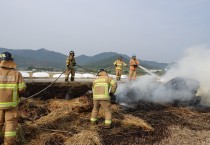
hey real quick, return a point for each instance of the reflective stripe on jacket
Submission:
(119, 64)
(11, 84)
(101, 87)
(10, 133)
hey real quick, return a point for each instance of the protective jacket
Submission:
(11, 84)
(70, 61)
(134, 64)
(101, 87)
(119, 64)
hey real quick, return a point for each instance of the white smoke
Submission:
(195, 65)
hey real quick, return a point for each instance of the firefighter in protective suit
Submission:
(12, 86)
(134, 63)
(118, 68)
(70, 63)
(103, 88)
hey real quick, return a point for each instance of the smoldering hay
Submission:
(186, 79)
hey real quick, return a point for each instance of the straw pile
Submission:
(59, 122)
(138, 122)
(85, 137)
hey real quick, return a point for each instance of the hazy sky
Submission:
(157, 30)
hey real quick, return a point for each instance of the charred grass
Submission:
(56, 121)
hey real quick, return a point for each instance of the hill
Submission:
(45, 58)
(39, 58)
(106, 59)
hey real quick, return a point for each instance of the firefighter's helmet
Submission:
(101, 71)
(6, 56)
(120, 57)
(71, 52)
(133, 56)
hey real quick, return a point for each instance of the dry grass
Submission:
(63, 104)
(58, 122)
(48, 139)
(52, 117)
(85, 137)
(185, 136)
(132, 120)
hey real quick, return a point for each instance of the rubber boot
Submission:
(72, 79)
(107, 126)
(1, 139)
(66, 80)
(93, 123)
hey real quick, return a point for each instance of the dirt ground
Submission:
(60, 116)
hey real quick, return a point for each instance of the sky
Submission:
(156, 30)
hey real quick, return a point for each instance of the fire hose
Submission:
(46, 87)
(54, 82)
(90, 71)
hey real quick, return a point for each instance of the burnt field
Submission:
(60, 115)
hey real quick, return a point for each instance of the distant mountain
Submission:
(39, 58)
(45, 58)
(106, 59)
(99, 59)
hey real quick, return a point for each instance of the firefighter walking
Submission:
(118, 68)
(70, 63)
(101, 97)
(134, 63)
(12, 86)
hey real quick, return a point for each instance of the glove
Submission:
(115, 65)
(135, 66)
(113, 98)
(111, 94)
(67, 65)
(23, 99)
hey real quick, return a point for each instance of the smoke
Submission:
(180, 82)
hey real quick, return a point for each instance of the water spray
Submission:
(157, 77)
(149, 72)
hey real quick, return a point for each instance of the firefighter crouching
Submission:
(118, 68)
(101, 97)
(134, 63)
(12, 86)
(70, 63)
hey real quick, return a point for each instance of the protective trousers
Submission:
(8, 120)
(69, 71)
(106, 106)
(132, 74)
(118, 74)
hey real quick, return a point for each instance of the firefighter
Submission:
(12, 86)
(70, 63)
(103, 88)
(134, 63)
(118, 68)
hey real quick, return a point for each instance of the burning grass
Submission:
(59, 121)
